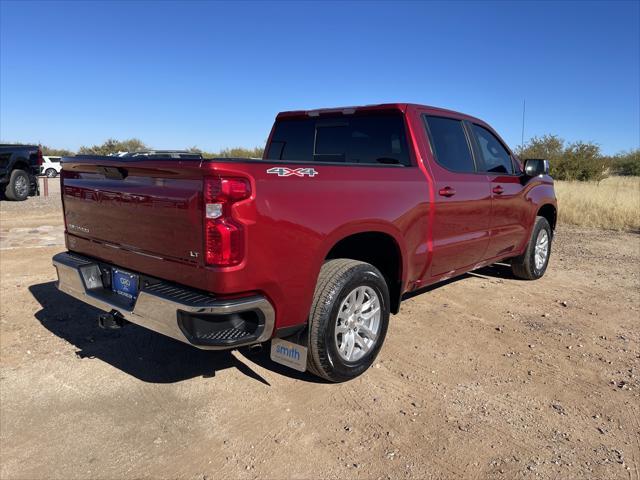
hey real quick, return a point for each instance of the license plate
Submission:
(125, 284)
(290, 354)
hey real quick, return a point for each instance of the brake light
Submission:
(40, 156)
(224, 236)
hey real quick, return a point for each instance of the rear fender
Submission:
(367, 226)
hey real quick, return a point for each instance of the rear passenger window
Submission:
(371, 139)
(449, 144)
(495, 157)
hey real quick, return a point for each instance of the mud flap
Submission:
(289, 354)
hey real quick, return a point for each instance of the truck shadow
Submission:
(154, 358)
(141, 353)
(496, 270)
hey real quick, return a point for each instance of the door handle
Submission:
(447, 192)
(498, 190)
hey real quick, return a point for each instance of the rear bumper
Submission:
(178, 312)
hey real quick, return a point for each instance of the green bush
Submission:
(626, 164)
(579, 160)
(55, 152)
(240, 152)
(550, 147)
(133, 144)
(113, 146)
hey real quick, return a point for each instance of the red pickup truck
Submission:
(312, 246)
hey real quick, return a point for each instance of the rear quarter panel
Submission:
(293, 222)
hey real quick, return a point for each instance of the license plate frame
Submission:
(125, 284)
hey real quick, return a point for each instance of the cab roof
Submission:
(401, 107)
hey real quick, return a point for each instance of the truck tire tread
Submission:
(332, 274)
(524, 266)
(10, 192)
(328, 273)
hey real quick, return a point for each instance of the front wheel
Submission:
(51, 172)
(348, 320)
(533, 263)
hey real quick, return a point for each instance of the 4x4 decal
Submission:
(298, 172)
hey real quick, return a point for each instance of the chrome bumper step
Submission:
(176, 311)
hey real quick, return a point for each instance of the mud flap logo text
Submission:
(288, 352)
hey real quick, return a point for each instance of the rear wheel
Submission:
(18, 187)
(348, 320)
(533, 263)
(51, 172)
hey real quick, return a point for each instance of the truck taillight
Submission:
(224, 236)
(40, 160)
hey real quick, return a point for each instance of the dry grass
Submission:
(614, 203)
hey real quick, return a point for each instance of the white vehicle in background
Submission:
(51, 166)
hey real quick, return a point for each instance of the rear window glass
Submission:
(54, 159)
(292, 140)
(374, 139)
(449, 144)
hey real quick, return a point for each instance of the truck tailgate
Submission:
(150, 207)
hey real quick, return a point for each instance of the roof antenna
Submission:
(523, 110)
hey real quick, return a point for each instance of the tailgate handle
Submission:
(114, 173)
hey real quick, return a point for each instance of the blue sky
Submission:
(177, 74)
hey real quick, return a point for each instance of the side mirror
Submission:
(536, 166)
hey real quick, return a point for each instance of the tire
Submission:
(51, 172)
(19, 186)
(329, 343)
(527, 266)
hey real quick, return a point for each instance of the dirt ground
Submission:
(483, 377)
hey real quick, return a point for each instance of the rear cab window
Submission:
(449, 144)
(372, 139)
